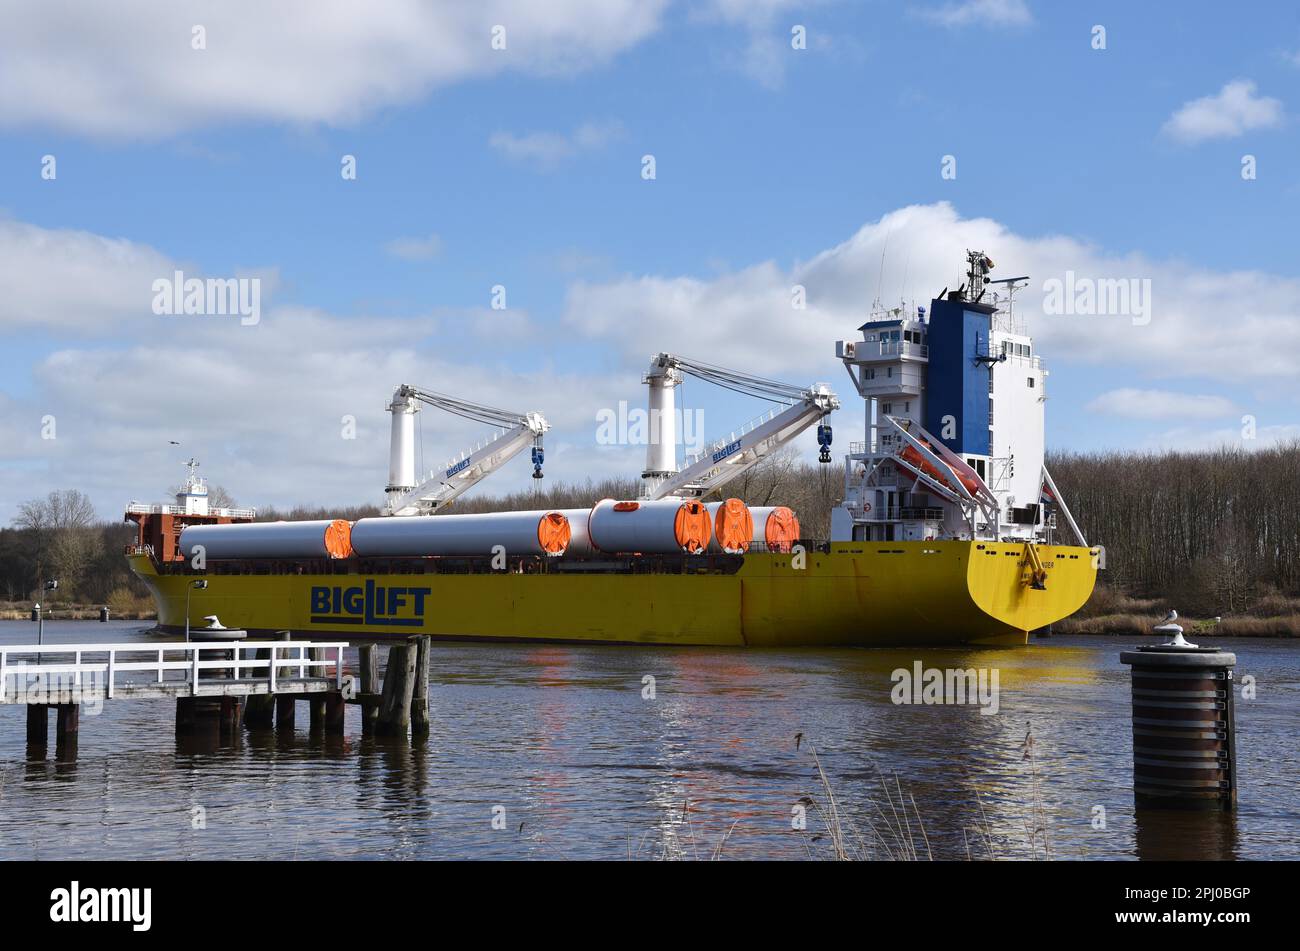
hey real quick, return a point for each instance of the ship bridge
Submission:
(953, 387)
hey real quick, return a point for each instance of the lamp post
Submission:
(200, 584)
(40, 615)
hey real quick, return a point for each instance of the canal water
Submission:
(559, 752)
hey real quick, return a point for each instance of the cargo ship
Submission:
(946, 534)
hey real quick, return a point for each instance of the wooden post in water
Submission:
(284, 709)
(231, 710)
(395, 705)
(284, 703)
(316, 702)
(259, 709)
(420, 688)
(38, 725)
(334, 712)
(369, 662)
(67, 721)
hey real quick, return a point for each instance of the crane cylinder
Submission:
(663, 526)
(776, 526)
(733, 526)
(661, 446)
(401, 447)
(322, 538)
(542, 532)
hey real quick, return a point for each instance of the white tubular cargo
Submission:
(579, 538)
(541, 532)
(325, 538)
(669, 525)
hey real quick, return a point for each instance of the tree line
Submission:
(1221, 528)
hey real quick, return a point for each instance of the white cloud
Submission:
(66, 279)
(1234, 110)
(1161, 404)
(766, 48)
(128, 69)
(415, 249)
(986, 12)
(744, 317)
(550, 148)
(261, 406)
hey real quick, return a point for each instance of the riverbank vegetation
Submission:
(1213, 534)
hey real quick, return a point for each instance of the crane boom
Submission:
(405, 497)
(727, 458)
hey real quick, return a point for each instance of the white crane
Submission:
(406, 497)
(723, 460)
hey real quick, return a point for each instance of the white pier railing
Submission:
(48, 673)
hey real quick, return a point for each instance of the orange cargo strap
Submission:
(733, 526)
(338, 538)
(554, 533)
(782, 530)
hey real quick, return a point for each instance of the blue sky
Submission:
(525, 172)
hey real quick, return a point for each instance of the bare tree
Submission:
(61, 529)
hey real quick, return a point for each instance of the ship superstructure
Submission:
(955, 422)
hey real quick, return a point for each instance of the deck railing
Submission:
(111, 668)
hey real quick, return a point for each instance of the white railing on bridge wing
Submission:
(115, 671)
(141, 508)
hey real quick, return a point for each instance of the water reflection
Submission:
(579, 760)
(1176, 835)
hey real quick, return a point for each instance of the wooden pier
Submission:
(253, 683)
(206, 679)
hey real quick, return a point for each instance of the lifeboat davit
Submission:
(918, 461)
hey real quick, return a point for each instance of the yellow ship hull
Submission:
(859, 594)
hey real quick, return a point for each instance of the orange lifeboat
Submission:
(918, 461)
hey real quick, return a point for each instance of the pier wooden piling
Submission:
(316, 705)
(395, 704)
(231, 713)
(420, 688)
(335, 709)
(38, 724)
(285, 705)
(68, 721)
(259, 710)
(369, 664)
